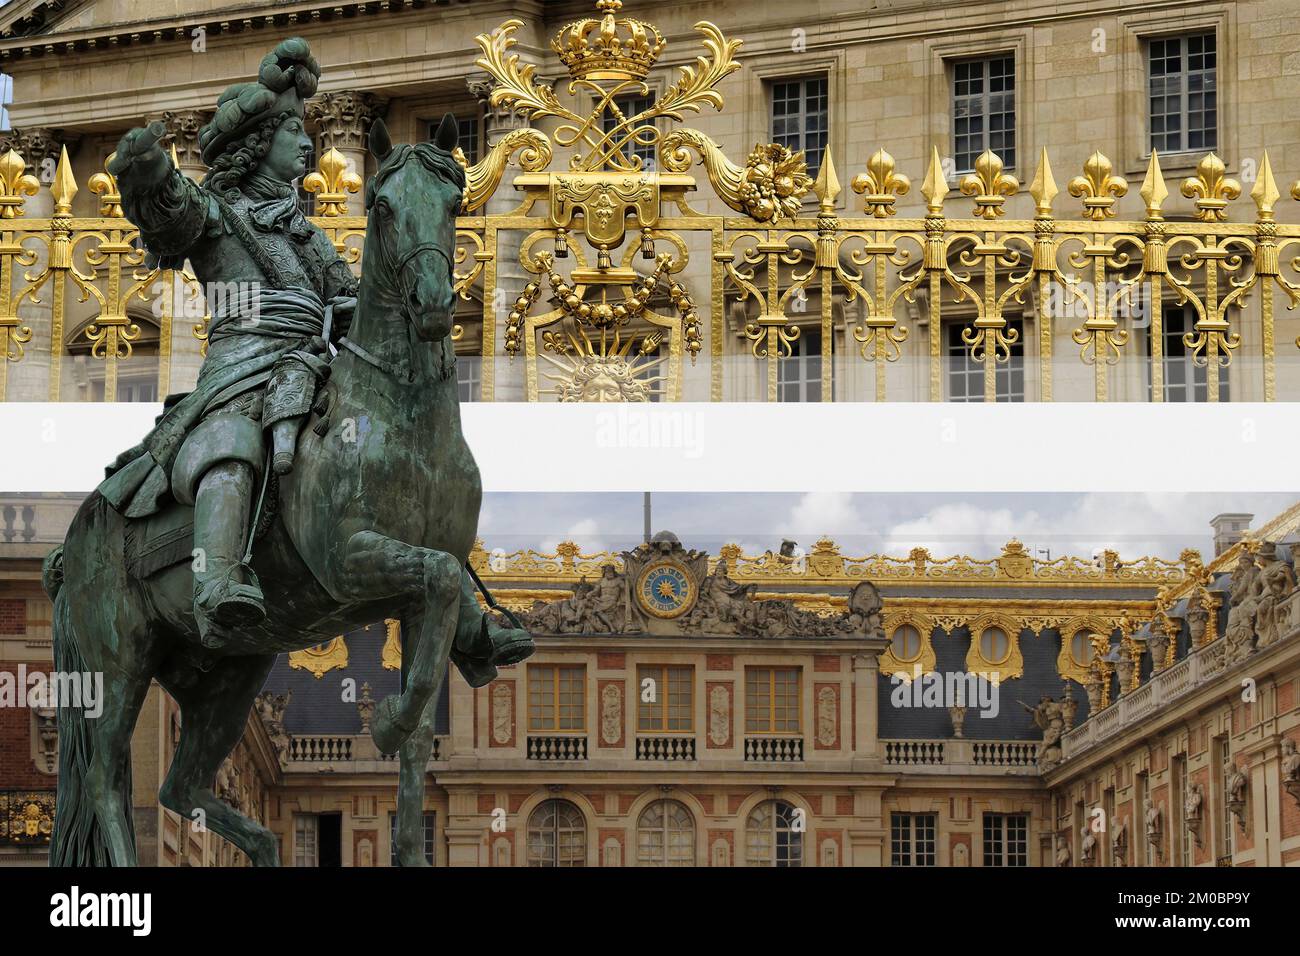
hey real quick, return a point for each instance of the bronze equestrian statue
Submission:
(314, 481)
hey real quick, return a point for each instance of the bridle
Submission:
(390, 368)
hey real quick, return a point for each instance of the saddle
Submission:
(166, 538)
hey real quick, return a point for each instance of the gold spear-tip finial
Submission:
(1043, 188)
(935, 187)
(1153, 191)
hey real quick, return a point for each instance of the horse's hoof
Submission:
(387, 734)
(512, 646)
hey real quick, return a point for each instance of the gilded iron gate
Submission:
(612, 308)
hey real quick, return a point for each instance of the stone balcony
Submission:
(316, 753)
(959, 755)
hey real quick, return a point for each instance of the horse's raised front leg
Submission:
(378, 566)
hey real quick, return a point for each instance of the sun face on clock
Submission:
(665, 590)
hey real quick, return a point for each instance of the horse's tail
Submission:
(77, 839)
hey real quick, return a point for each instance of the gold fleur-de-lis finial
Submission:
(15, 183)
(64, 187)
(1212, 189)
(881, 185)
(104, 185)
(989, 185)
(1043, 188)
(1098, 188)
(1153, 191)
(935, 187)
(1265, 192)
(332, 181)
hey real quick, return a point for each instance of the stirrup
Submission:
(227, 604)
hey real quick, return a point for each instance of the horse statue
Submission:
(373, 518)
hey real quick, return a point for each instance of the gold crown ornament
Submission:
(608, 49)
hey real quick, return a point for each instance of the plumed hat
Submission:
(285, 81)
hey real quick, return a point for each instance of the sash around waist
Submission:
(275, 313)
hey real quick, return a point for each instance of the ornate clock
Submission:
(666, 590)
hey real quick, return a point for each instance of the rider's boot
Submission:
(481, 643)
(284, 441)
(226, 593)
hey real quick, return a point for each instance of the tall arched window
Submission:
(771, 838)
(557, 835)
(665, 835)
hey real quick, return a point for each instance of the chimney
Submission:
(1228, 530)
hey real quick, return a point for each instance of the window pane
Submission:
(984, 110)
(1182, 78)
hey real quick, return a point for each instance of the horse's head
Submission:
(412, 203)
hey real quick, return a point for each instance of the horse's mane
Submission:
(437, 161)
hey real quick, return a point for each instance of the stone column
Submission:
(505, 378)
(867, 836)
(866, 669)
(342, 122)
(461, 707)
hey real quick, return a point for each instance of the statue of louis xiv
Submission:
(276, 290)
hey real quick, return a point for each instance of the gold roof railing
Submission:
(826, 566)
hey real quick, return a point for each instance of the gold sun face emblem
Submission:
(604, 367)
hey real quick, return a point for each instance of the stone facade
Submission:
(775, 731)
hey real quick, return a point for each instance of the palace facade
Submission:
(918, 200)
(789, 708)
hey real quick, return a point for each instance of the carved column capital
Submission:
(343, 118)
(183, 132)
(498, 120)
(39, 147)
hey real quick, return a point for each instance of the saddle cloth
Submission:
(159, 541)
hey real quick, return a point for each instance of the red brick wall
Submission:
(17, 771)
(13, 616)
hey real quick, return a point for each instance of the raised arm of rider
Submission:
(171, 211)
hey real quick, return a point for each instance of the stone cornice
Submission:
(237, 19)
